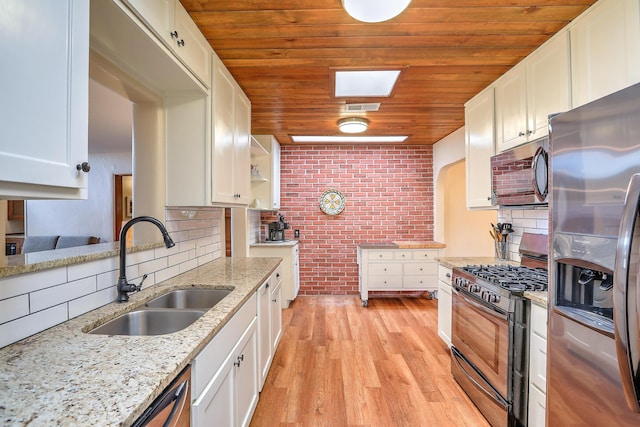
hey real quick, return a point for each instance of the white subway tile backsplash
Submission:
(25, 283)
(534, 220)
(85, 269)
(15, 330)
(13, 308)
(92, 301)
(55, 295)
(167, 273)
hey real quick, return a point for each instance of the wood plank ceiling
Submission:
(284, 55)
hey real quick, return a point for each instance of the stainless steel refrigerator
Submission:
(593, 372)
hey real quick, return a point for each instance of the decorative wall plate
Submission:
(332, 202)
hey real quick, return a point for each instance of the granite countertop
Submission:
(405, 244)
(279, 243)
(13, 265)
(63, 376)
(453, 262)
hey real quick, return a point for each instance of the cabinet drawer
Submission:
(402, 255)
(384, 282)
(538, 362)
(444, 274)
(420, 282)
(385, 269)
(537, 407)
(420, 268)
(429, 254)
(539, 320)
(379, 255)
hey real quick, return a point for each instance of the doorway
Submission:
(122, 202)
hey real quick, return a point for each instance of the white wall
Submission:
(92, 217)
(532, 220)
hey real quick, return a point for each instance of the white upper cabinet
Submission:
(530, 91)
(265, 172)
(479, 147)
(169, 20)
(605, 42)
(231, 145)
(44, 82)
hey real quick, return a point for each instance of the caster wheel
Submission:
(365, 303)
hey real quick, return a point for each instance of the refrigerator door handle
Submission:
(626, 298)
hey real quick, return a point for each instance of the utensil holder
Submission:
(501, 250)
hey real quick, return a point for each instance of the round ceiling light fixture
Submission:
(353, 125)
(374, 10)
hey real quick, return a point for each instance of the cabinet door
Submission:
(276, 317)
(604, 50)
(264, 330)
(537, 408)
(479, 147)
(511, 109)
(157, 15)
(242, 148)
(275, 174)
(223, 121)
(191, 45)
(216, 405)
(548, 84)
(44, 85)
(444, 312)
(246, 377)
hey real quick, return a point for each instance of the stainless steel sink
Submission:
(149, 322)
(182, 299)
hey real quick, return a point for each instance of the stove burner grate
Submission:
(511, 277)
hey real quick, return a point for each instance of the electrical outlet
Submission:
(296, 234)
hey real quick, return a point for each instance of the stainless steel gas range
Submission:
(490, 322)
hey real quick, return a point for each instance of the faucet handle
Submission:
(139, 287)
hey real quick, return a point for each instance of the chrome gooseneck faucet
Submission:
(124, 288)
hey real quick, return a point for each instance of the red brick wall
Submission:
(389, 196)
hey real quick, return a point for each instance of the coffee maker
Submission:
(276, 229)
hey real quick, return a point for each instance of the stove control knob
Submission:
(493, 298)
(474, 288)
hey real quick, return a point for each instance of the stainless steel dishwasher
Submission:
(173, 407)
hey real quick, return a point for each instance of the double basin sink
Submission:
(168, 313)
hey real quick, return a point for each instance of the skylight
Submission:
(372, 83)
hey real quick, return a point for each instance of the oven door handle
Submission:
(481, 307)
(493, 394)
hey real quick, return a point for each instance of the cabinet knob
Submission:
(274, 300)
(84, 167)
(181, 42)
(529, 132)
(174, 34)
(520, 133)
(267, 285)
(448, 275)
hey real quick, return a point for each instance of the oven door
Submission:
(481, 334)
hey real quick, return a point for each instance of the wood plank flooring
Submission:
(340, 364)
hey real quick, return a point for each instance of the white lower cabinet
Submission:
(289, 270)
(269, 323)
(537, 366)
(225, 373)
(444, 304)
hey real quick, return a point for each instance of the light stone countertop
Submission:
(280, 243)
(406, 244)
(63, 376)
(13, 265)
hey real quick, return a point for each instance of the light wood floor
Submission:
(340, 364)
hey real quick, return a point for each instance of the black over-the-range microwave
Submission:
(520, 176)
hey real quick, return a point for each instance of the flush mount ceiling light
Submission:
(353, 125)
(374, 10)
(348, 139)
